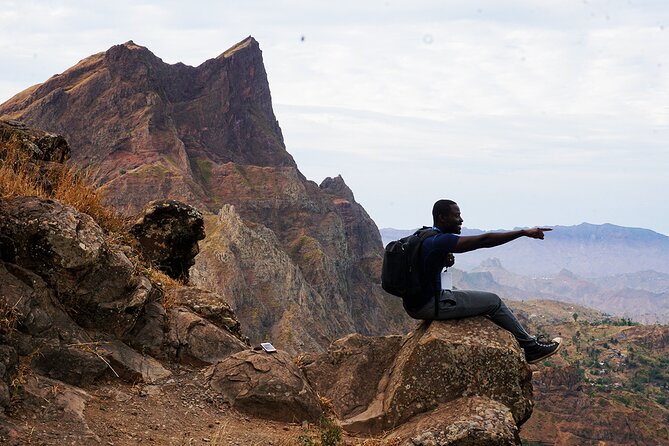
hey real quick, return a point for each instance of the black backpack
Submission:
(401, 274)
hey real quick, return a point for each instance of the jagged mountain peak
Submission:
(131, 50)
(337, 186)
(144, 111)
(248, 44)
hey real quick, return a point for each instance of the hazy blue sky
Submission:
(525, 112)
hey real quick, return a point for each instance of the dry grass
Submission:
(167, 285)
(9, 315)
(20, 175)
(17, 173)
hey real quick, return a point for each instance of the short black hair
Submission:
(441, 207)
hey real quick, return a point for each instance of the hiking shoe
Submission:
(541, 350)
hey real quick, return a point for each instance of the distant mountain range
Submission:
(617, 270)
(587, 250)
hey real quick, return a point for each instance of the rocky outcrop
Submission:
(246, 264)
(37, 144)
(268, 385)
(452, 381)
(209, 305)
(207, 136)
(67, 250)
(194, 339)
(476, 421)
(72, 303)
(167, 233)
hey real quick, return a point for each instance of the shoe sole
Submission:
(559, 341)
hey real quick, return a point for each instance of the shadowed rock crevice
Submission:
(167, 233)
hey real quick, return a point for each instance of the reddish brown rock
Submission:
(194, 339)
(350, 371)
(210, 306)
(267, 385)
(446, 360)
(438, 363)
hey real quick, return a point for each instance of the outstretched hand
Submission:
(537, 232)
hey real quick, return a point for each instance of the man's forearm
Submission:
(492, 239)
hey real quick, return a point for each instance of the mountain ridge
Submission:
(208, 136)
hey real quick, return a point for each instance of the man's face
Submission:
(452, 222)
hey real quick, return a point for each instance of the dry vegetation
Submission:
(21, 175)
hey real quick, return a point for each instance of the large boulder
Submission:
(437, 364)
(350, 371)
(67, 249)
(267, 385)
(168, 232)
(194, 339)
(210, 305)
(445, 360)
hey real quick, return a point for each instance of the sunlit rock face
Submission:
(207, 136)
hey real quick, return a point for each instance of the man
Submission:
(443, 304)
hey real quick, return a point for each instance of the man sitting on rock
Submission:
(443, 304)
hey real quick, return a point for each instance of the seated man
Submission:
(443, 304)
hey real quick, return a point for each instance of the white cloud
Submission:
(527, 112)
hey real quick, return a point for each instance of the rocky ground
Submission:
(178, 411)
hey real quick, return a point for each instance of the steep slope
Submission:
(207, 136)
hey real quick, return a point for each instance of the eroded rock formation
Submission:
(207, 136)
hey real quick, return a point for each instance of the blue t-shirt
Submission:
(433, 254)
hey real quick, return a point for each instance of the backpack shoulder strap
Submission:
(426, 232)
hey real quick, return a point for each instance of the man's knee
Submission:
(494, 303)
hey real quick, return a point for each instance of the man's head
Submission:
(446, 216)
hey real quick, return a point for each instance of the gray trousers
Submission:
(456, 304)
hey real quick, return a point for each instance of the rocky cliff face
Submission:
(89, 335)
(207, 136)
